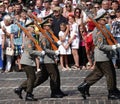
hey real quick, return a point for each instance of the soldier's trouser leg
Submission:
(110, 74)
(41, 76)
(103, 68)
(95, 75)
(29, 83)
(54, 76)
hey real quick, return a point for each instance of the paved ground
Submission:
(69, 81)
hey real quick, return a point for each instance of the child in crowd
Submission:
(74, 40)
(64, 37)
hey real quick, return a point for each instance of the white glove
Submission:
(43, 53)
(114, 47)
(118, 45)
(59, 42)
(57, 52)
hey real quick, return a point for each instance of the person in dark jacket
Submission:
(57, 20)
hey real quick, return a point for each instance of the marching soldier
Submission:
(28, 62)
(49, 67)
(104, 65)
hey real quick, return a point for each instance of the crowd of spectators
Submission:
(67, 21)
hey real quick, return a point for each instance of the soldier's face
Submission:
(102, 21)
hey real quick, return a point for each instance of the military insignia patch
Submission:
(99, 39)
(44, 43)
(29, 46)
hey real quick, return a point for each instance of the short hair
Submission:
(8, 18)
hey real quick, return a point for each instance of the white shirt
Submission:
(43, 13)
(1, 33)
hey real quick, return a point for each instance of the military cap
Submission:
(99, 16)
(29, 22)
(48, 16)
(45, 23)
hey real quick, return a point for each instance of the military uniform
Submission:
(28, 62)
(49, 68)
(103, 65)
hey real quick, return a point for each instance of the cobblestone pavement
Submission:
(69, 82)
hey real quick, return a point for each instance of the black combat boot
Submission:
(113, 94)
(30, 97)
(56, 94)
(84, 89)
(61, 92)
(18, 91)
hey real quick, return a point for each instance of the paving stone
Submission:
(69, 83)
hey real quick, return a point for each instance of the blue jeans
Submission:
(1, 57)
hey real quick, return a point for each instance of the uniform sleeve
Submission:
(35, 53)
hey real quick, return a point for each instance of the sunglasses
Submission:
(77, 12)
(67, 6)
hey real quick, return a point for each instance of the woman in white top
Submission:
(6, 27)
(64, 36)
(74, 40)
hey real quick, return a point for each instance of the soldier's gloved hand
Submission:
(59, 42)
(114, 47)
(43, 53)
(57, 52)
(118, 45)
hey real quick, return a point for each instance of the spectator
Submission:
(58, 18)
(18, 8)
(115, 5)
(47, 9)
(6, 27)
(2, 11)
(116, 31)
(2, 42)
(17, 35)
(104, 7)
(38, 6)
(10, 10)
(96, 8)
(6, 4)
(78, 16)
(56, 2)
(67, 10)
(74, 40)
(64, 37)
(82, 49)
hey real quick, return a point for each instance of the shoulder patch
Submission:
(99, 39)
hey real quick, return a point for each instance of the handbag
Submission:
(9, 51)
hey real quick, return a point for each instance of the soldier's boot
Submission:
(18, 91)
(84, 89)
(113, 94)
(30, 97)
